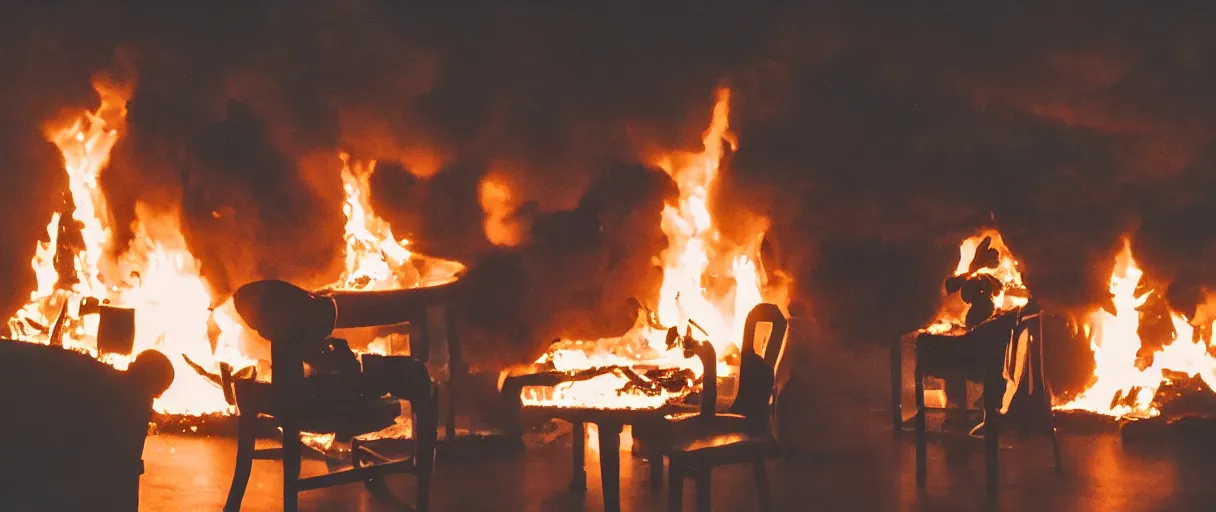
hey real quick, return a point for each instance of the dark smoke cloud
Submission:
(874, 141)
(896, 133)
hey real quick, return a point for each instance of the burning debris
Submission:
(709, 284)
(92, 298)
(375, 259)
(987, 281)
(112, 305)
(1147, 356)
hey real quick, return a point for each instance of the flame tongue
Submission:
(156, 275)
(1121, 387)
(375, 258)
(984, 255)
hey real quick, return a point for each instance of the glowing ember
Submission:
(1010, 292)
(603, 391)
(709, 286)
(156, 275)
(1121, 387)
(375, 259)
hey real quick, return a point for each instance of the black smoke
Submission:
(873, 140)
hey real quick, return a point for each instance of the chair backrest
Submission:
(1026, 381)
(764, 339)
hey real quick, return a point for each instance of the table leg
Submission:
(578, 479)
(610, 465)
(921, 455)
(897, 387)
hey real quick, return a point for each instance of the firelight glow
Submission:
(1013, 293)
(156, 275)
(1116, 343)
(159, 278)
(375, 259)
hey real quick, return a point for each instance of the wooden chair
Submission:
(346, 406)
(695, 443)
(1005, 355)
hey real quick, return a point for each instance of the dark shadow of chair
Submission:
(367, 401)
(697, 442)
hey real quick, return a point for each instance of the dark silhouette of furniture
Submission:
(298, 324)
(73, 429)
(1005, 355)
(390, 307)
(695, 443)
(610, 423)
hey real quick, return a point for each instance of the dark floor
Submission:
(870, 471)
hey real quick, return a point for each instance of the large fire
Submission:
(156, 275)
(708, 287)
(1124, 384)
(77, 269)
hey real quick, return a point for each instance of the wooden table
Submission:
(610, 423)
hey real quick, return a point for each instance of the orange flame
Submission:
(157, 275)
(1116, 343)
(696, 258)
(1012, 294)
(374, 258)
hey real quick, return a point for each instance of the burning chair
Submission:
(999, 347)
(337, 396)
(695, 443)
(74, 427)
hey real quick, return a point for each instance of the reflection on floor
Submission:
(869, 472)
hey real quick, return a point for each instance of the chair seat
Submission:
(722, 448)
(331, 411)
(691, 438)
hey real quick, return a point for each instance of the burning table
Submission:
(709, 285)
(652, 394)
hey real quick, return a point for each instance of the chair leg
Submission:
(763, 490)
(994, 387)
(1055, 446)
(291, 468)
(921, 449)
(897, 384)
(426, 468)
(1050, 420)
(656, 467)
(704, 487)
(675, 488)
(424, 460)
(457, 370)
(246, 438)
